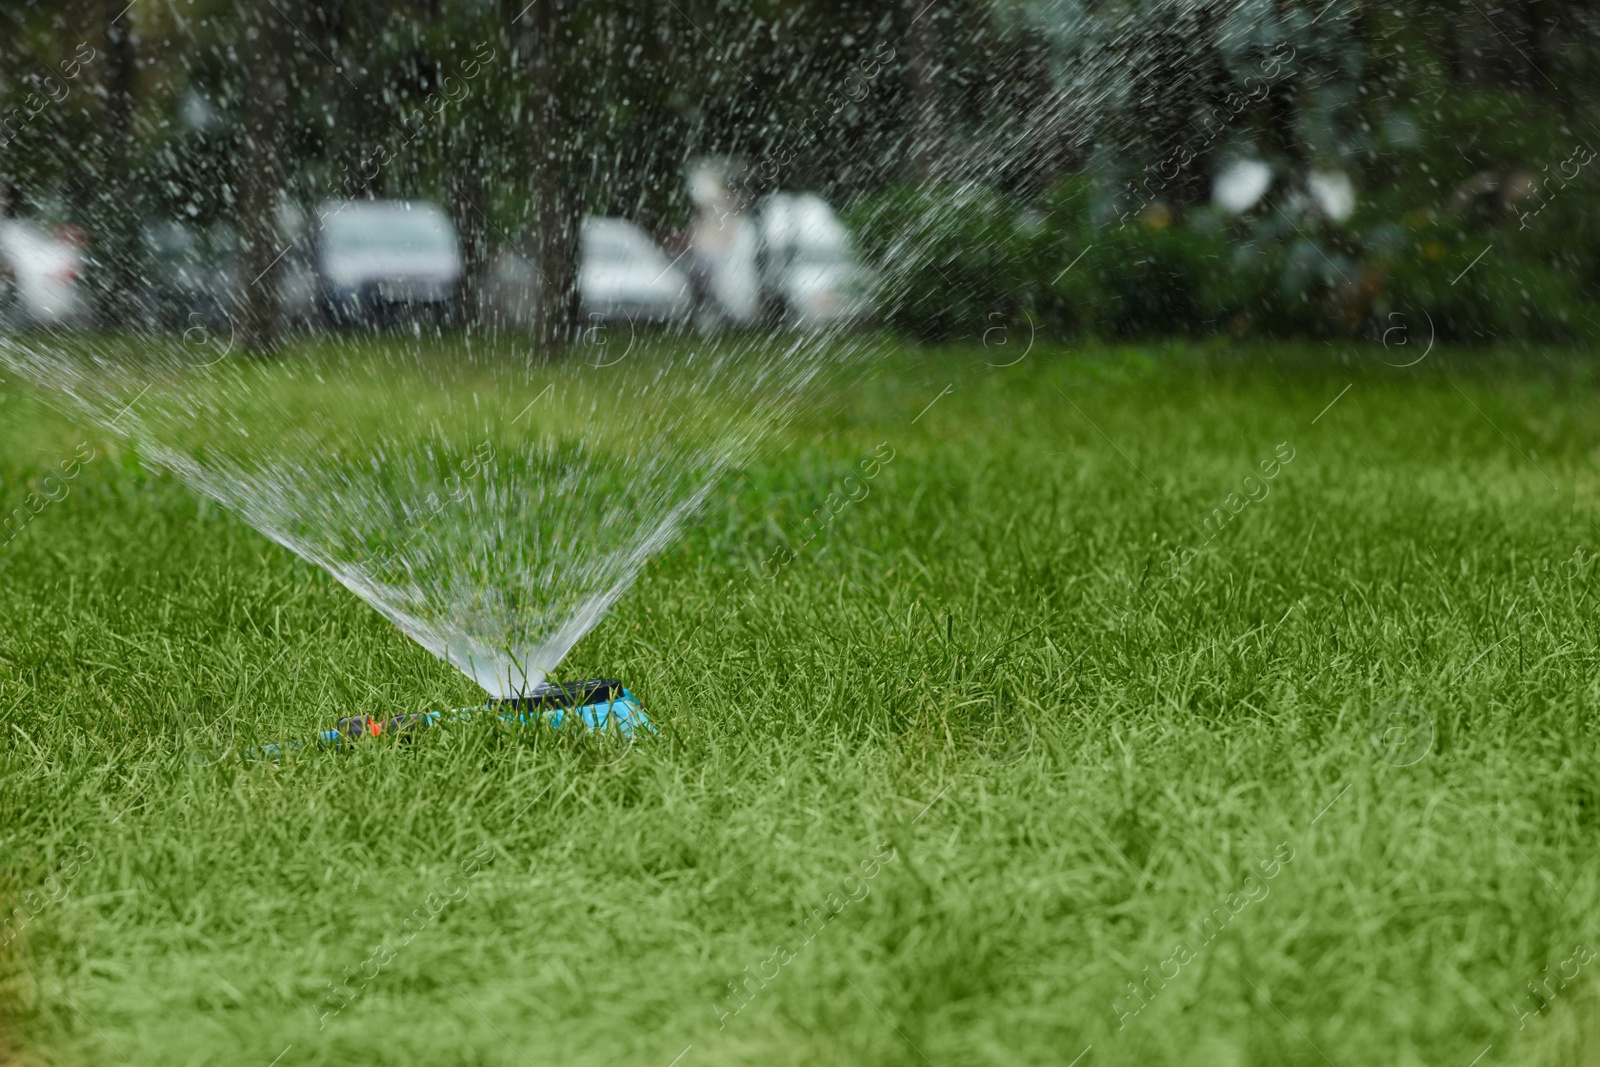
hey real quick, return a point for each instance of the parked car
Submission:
(47, 269)
(786, 257)
(622, 274)
(807, 264)
(378, 260)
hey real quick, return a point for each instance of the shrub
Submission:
(960, 261)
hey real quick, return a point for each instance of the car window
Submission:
(396, 230)
(621, 245)
(823, 255)
(609, 247)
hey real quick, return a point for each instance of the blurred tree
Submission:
(179, 110)
(262, 169)
(467, 194)
(11, 54)
(543, 35)
(117, 215)
(924, 72)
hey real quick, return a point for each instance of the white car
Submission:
(374, 259)
(787, 256)
(809, 266)
(47, 270)
(622, 275)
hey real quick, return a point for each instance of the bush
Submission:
(959, 262)
(1147, 277)
(953, 261)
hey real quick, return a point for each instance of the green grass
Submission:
(980, 701)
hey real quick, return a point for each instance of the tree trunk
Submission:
(659, 161)
(1170, 60)
(1530, 59)
(118, 211)
(366, 121)
(923, 96)
(467, 207)
(261, 175)
(1282, 115)
(545, 32)
(10, 60)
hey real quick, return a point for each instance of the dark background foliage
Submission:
(994, 145)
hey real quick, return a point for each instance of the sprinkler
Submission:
(598, 703)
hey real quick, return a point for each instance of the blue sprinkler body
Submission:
(598, 704)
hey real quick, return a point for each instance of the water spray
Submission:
(598, 704)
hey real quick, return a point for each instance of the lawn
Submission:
(1164, 705)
